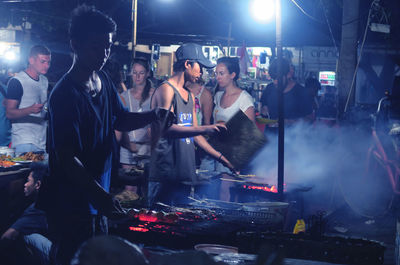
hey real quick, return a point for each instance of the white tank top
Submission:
(243, 102)
(31, 129)
(139, 135)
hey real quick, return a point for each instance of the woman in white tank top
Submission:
(227, 102)
(137, 99)
(135, 145)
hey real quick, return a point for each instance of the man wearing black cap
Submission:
(172, 166)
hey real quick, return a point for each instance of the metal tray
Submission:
(216, 249)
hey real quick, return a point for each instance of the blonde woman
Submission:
(135, 145)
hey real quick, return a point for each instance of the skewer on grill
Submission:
(246, 176)
(233, 180)
(242, 177)
(196, 200)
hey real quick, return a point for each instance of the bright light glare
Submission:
(262, 10)
(10, 56)
(3, 48)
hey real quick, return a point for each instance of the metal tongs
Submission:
(238, 177)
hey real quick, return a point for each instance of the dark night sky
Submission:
(202, 21)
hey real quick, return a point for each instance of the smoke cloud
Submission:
(332, 161)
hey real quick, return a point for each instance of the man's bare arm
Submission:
(202, 142)
(13, 112)
(163, 99)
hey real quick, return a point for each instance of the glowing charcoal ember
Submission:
(153, 216)
(138, 229)
(148, 216)
(263, 188)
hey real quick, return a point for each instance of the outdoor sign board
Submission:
(327, 78)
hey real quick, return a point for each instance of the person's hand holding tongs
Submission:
(223, 160)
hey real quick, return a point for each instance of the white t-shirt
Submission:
(31, 129)
(139, 135)
(243, 102)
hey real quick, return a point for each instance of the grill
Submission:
(260, 218)
(208, 221)
(194, 224)
(268, 215)
(247, 226)
(205, 218)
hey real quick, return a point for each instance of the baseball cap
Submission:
(193, 51)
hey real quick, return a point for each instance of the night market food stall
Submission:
(238, 230)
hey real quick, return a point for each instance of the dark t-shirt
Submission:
(297, 102)
(85, 125)
(173, 159)
(32, 221)
(15, 90)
